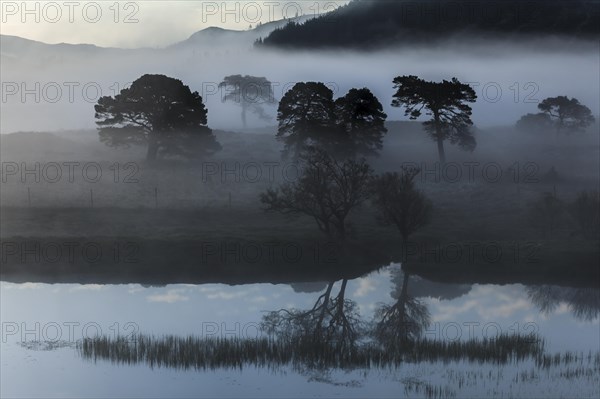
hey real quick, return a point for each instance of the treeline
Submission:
(378, 23)
(329, 138)
(163, 114)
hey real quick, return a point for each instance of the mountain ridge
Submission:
(382, 23)
(253, 34)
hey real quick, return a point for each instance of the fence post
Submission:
(29, 196)
(92, 197)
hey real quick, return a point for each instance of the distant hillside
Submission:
(215, 36)
(381, 23)
(14, 49)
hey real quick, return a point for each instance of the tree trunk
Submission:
(323, 309)
(402, 299)
(244, 108)
(441, 153)
(559, 126)
(403, 296)
(438, 136)
(341, 230)
(404, 246)
(342, 295)
(152, 148)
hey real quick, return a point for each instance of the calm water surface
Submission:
(43, 327)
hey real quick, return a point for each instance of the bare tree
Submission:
(400, 203)
(402, 321)
(328, 191)
(332, 321)
(545, 213)
(586, 211)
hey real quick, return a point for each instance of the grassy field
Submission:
(240, 246)
(173, 207)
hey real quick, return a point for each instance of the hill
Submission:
(382, 23)
(14, 48)
(218, 37)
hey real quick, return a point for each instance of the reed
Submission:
(213, 353)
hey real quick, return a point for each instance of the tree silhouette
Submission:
(568, 114)
(545, 213)
(402, 321)
(160, 112)
(251, 93)
(306, 117)
(534, 123)
(332, 321)
(362, 121)
(400, 203)
(327, 191)
(351, 126)
(446, 102)
(584, 303)
(585, 209)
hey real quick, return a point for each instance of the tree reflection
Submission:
(406, 319)
(329, 336)
(332, 320)
(402, 321)
(584, 303)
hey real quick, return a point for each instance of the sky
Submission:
(146, 23)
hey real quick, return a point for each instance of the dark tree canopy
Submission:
(351, 126)
(535, 123)
(568, 114)
(362, 121)
(251, 93)
(158, 111)
(446, 103)
(306, 116)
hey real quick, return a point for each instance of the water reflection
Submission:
(329, 335)
(584, 303)
(333, 320)
(404, 320)
(194, 352)
(351, 333)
